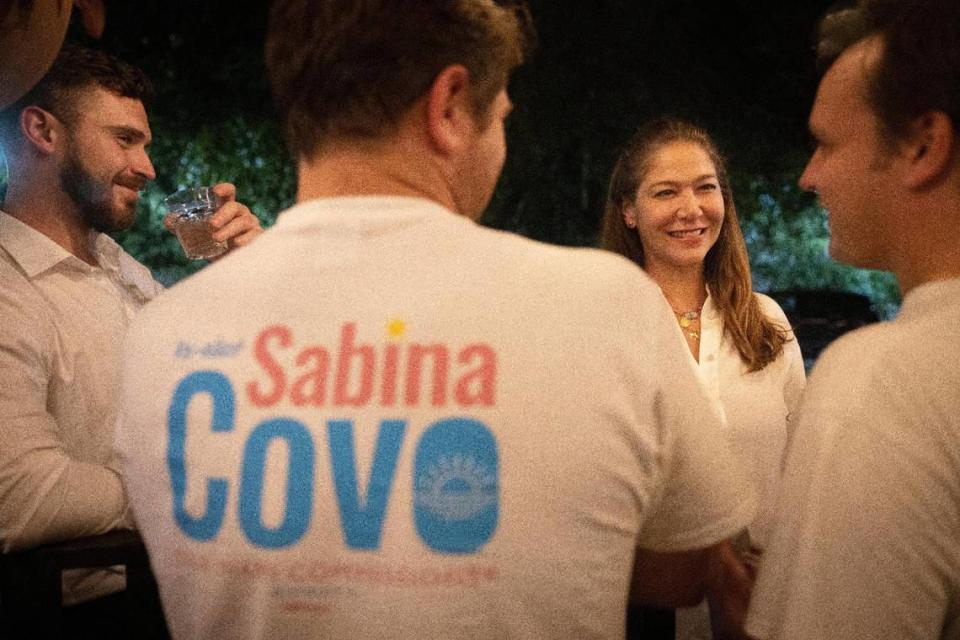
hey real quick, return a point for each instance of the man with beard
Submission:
(76, 147)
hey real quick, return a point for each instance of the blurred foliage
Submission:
(211, 116)
(741, 68)
(247, 154)
(787, 237)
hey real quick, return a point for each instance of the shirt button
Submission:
(710, 358)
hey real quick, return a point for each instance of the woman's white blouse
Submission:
(757, 406)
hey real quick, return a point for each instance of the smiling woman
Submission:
(670, 210)
(678, 210)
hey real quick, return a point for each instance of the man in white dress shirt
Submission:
(867, 541)
(76, 148)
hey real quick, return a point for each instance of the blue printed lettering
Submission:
(456, 487)
(221, 393)
(299, 499)
(363, 523)
(456, 492)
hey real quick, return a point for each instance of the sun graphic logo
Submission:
(456, 488)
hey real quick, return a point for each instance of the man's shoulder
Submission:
(17, 292)
(472, 249)
(880, 346)
(26, 315)
(864, 345)
(588, 260)
(884, 364)
(585, 267)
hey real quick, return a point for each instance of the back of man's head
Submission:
(75, 70)
(349, 69)
(918, 70)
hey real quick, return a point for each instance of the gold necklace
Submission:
(686, 319)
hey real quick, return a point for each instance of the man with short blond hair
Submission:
(428, 429)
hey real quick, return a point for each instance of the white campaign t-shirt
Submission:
(383, 420)
(867, 537)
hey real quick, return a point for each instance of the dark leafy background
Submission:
(742, 68)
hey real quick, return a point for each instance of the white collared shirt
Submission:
(756, 406)
(62, 323)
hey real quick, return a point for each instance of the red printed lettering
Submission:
(348, 352)
(477, 386)
(270, 366)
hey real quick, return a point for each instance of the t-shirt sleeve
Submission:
(706, 496)
(867, 513)
(794, 372)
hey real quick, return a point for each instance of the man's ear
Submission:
(38, 127)
(450, 119)
(931, 150)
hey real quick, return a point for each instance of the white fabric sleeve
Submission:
(794, 383)
(45, 495)
(794, 377)
(706, 495)
(867, 519)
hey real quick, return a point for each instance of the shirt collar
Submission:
(365, 214)
(33, 251)
(107, 252)
(709, 309)
(123, 267)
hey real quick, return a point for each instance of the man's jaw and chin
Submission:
(96, 201)
(860, 255)
(104, 218)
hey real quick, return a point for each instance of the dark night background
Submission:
(744, 69)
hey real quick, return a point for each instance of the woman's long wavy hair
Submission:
(726, 268)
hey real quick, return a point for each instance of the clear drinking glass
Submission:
(192, 207)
